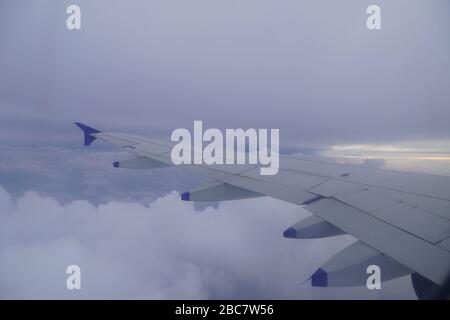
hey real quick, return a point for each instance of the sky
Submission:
(309, 68)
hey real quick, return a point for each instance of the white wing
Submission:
(402, 220)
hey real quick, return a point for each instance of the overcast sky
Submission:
(309, 68)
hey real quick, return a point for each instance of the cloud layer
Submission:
(165, 249)
(72, 174)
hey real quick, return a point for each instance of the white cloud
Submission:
(129, 250)
(162, 250)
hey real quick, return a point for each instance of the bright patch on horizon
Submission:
(432, 156)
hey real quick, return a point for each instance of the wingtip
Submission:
(80, 125)
(86, 128)
(88, 131)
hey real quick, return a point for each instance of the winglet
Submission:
(88, 131)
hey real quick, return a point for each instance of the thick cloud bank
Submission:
(127, 250)
(162, 250)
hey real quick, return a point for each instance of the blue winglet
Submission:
(87, 133)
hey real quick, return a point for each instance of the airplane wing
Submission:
(401, 219)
